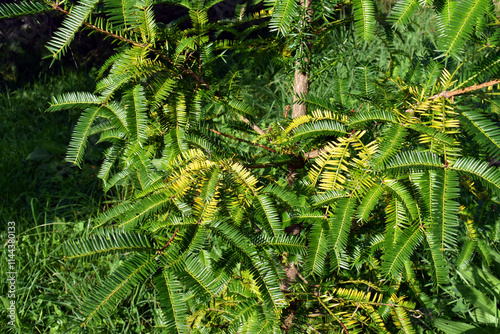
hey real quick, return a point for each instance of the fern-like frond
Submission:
(483, 72)
(481, 171)
(284, 14)
(136, 115)
(199, 278)
(397, 222)
(486, 133)
(316, 102)
(319, 128)
(163, 89)
(413, 161)
(461, 25)
(331, 165)
(110, 157)
(354, 311)
(403, 12)
(395, 257)
(244, 177)
(105, 242)
(398, 190)
(148, 27)
(317, 249)
(401, 318)
(122, 13)
(109, 85)
(444, 209)
(268, 281)
(364, 18)
(65, 34)
(172, 302)
(327, 197)
(116, 286)
(80, 135)
(429, 134)
(340, 227)
(143, 209)
(391, 143)
(372, 116)
(415, 285)
(284, 243)
(211, 186)
(117, 115)
(283, 194)
(244, 314)
(8, 10)
(466, 253)
(116, 178)
(73, 100)
(438, 265)
(370, 199)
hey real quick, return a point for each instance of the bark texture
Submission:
(300, 87)
(301, 79)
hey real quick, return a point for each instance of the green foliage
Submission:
(229, 203)
(364, 16)
(65, 34)
(477, 292)
(9, 10)
(461, 24)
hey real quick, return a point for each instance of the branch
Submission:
(244, 141)
(446, 94)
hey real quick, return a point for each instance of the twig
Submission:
(263, 165)
(255, 127)
(333, 315)
(314, 329)
(168, 242)
(302, 278)
(314, 154)
(244, 141)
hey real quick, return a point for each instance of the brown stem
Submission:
(301, 78)
(243, 141)
(447, 94)
(300, 88)
(168, 243)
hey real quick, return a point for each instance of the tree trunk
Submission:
(301, 80)
(300, 88)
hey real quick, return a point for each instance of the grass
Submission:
(51, 201)
(34, 172)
